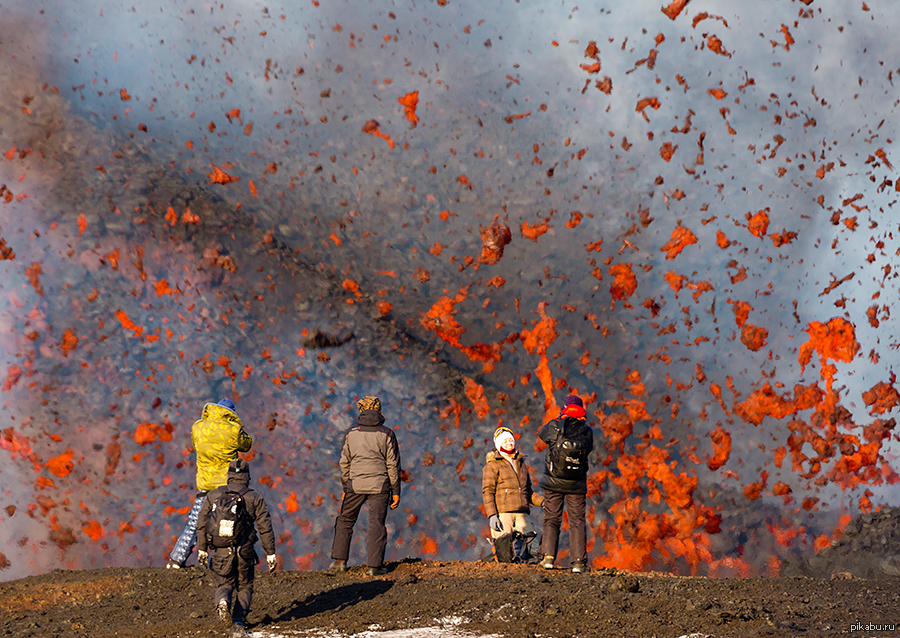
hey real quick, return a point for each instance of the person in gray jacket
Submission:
(370, 473)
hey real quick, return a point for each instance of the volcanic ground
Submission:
(482, 597)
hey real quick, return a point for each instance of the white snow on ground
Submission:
(443, 628)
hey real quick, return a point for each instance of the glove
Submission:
(495, 523)
(272, 562)
(202, 558)
(395, 501)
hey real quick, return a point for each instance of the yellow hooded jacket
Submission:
(217, 436)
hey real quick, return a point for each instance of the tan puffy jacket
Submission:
(505, 489)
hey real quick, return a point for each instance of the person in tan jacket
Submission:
(506, 491)
(370, 473)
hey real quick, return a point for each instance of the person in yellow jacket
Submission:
(217, 437)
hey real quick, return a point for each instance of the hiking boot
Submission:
(338, 566)
(579, 567)
(377, 571)
(222, 611)
(239, 631)
(547, 563)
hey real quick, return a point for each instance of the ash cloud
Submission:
(790, 116)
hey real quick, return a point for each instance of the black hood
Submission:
(238, 479)
(370, 417)
(572, 425)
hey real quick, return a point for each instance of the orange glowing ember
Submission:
(93, 530)
(758, 223)
(409, 102)
(218, 176)
(69, 342)
(128, 324)
(475, 393)
(625, 283)
(644, 103)
(372, 127)
(162, 288)
(835, 340)
(681, 239)
(440, 320)
(721, 441)
(533, 232)
(494, 239)
(715, 45)
(147, 432)
(753, 337)
(61, 465)
(741, 310)
(881, 398)
(538, 339)
(675, 8)
(351, 286)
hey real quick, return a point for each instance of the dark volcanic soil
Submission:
(509, 600)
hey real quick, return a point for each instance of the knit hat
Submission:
(227, 403)
(239, 467)
(503, 438)
(574, 399)
(369, 403)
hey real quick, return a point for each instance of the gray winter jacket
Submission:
(370, 457)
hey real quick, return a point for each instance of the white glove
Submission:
(272, 562)
(495, 523)
(202, 558)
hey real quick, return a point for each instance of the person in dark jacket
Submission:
(566, 485)
(370, 473)
(235, 567)
(506, 489)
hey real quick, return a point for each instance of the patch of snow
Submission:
(447, 627)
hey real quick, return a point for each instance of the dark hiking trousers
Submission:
(234, 570)
(553, 513)
(376, 541)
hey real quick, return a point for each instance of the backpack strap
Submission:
(560, 424)
(243, 491)
(248, 531)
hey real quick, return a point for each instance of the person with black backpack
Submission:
(228, 524)
(570, 441)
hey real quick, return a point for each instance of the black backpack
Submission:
(229, 522)
(567, 457)
(512, 548)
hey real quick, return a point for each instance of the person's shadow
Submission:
(334, 599)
